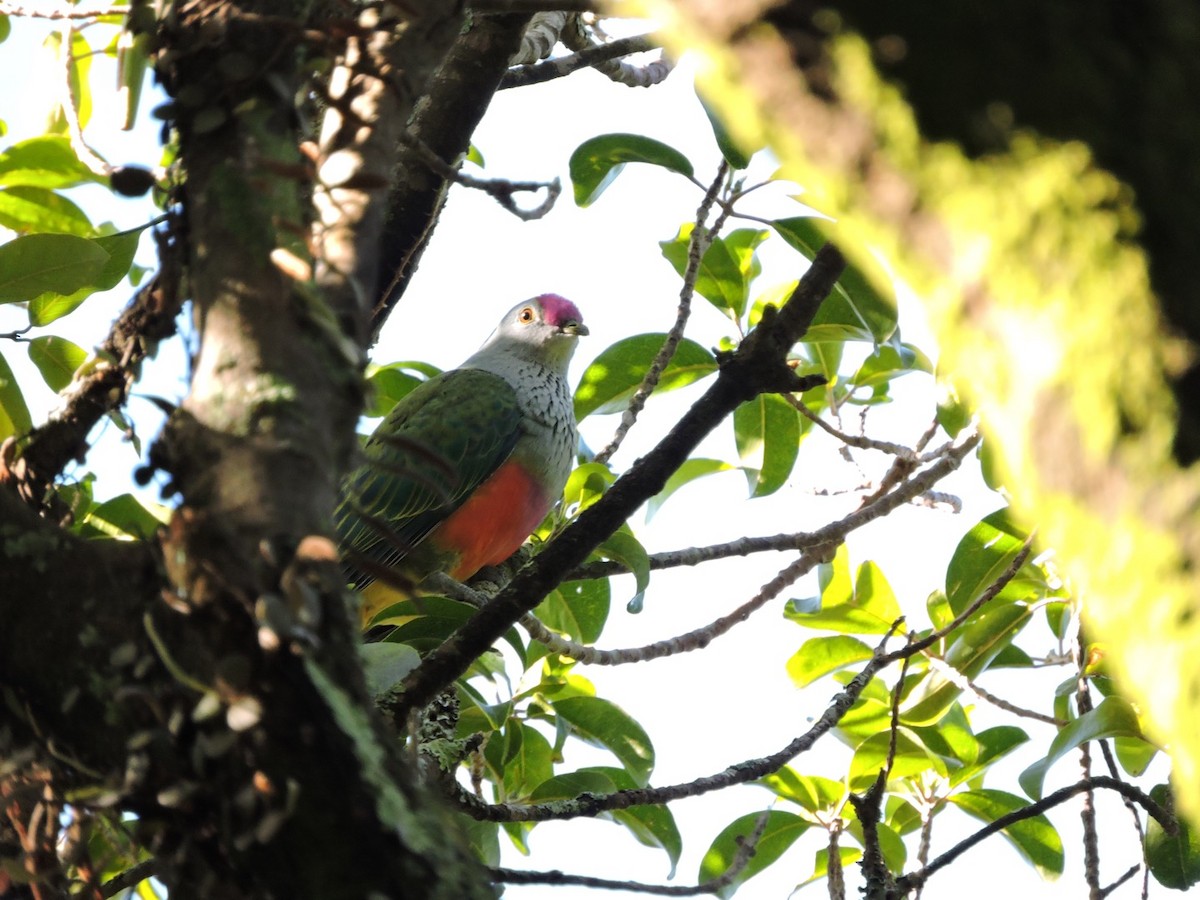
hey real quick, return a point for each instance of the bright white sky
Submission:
(704, 710)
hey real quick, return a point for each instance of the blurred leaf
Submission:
(475, 156)
(1134, 754)
(767, 432)
(727, 268)
(855, 311)
(605, 724)
(952, 414)
(120, 248)
(385, 663)
(47, 162)
(578, 609)
(1114, 717)
(33, 264)
(865, 606)
(5, 28)
(392, 382)
(26, 209)
(14, 414)
(57, 359)
(690, 471)
(126, 517)
(484, 838)
(822, 655)
(734, 155)
(783, 828)
(132, 64)
(1174, 860)
(616, 374)
(1034, 838)
(599, 160)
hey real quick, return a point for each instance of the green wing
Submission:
(438, 444)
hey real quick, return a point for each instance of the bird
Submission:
(466, 465)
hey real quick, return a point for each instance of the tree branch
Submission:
(757, 366)
(537, 73)
(906, 883)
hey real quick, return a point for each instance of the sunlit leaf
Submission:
(812, 792)
(605, 724)
(734, 155)
(865, 605)
(597, 161)
(822, 655)
(1034, 838)
(126, 517)
(767, 431)
(981, 557)
(911, 758)
(392, 382)
(621, 546)
(782, 830)
(25, 209)
(47, 161)
(617, 373)
(577, 609)
(57, 359)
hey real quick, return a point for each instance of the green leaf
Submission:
(846, 855)
(912, 758)
(888, 362)
(734, 155)
(783, 828)
(617, 373)
(484, 838)
(980, 558)
(385, 664)
(767, 431)
(952, 413)
(621, 546)
(127, 518)
(1134, 754)
(811, 792)
(570, 785)
(1034, 838)
(605, 724)
(475, 156)
(119, 247)
(46, 162)
(132, 64)
(690, 471)
(5, 28)
(14, 414)
(865, 606)
(894, 851)
(974, 647)
(1174, 860)
(652, 826)
(1114, 717)
(870, 715)
(523, 761)
(586, 484)
(855, 311)
(727, 268)
(57, 359)
(577, 609)
(424, 622)
(26, 209)
(597, 161)
(993, 745)
(820, 656)
(33, 264)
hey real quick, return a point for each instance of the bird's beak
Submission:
(576, 328)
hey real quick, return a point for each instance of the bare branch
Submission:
(536, 73)
(65, 12)
(860, 441)
(962, 681)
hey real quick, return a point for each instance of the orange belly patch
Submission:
(490, 526)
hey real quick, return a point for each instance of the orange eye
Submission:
(525, 316)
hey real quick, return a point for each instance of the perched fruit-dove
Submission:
(466, 466)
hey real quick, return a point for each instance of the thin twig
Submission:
(859, 441)
(70, 110)
(701, 237)
(746, 845)
(959, 680)
(8, 9)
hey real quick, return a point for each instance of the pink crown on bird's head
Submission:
(558, 310)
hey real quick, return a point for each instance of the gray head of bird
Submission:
(544, 329)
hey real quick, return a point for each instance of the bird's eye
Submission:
(525, 316)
